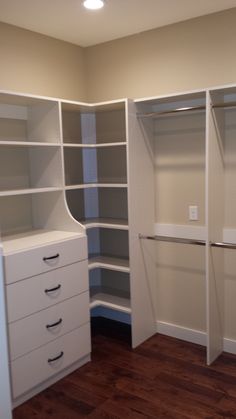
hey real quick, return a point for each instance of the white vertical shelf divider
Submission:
(214, 222)
(5, 394)
(141, 220)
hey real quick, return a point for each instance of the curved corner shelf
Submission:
(113, 223)
(112, 302)
(95, 145)
(110, 263)
(96, 185)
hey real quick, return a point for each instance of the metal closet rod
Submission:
(187, 241)
(185, 109)
(171, 111)
(224, 105)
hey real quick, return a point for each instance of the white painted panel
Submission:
(5, 397)
(29, 296)
(141, 220)
(32, 262)
(215, 220)
(34, 368)
(32, 332)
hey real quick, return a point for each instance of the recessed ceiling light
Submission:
(93, 4)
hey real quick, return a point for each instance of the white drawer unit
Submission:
(30, 262)
(47, 325)
(46, 276)
(42, 291)
(39, 365)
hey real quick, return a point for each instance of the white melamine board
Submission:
(106, 262)
(32, 332)
(15, 214)
(43, 122)
(13, 112)
(13, 192)
(113, 302)
(35, 238)
(215, 221)
(113, 223)
(45, 167)
(28, 143)
(5, 395)
(50, 212)
(97, 185)
(35, 368)
(73, 145)
(141, 220)
(73, 280)
(37, 260)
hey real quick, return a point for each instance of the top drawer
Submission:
(43, 259)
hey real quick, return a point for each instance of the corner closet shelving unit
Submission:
(83, 187)
(98, 175)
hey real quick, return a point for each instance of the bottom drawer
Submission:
(39, 365)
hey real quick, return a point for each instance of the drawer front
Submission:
(34, 368)
(41, 328)
(32, 262)
(42, 291)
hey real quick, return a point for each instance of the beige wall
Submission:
(37, 64)
(189, 55)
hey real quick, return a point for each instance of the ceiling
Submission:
(69, 21)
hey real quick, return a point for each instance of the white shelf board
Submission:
(35, 238)
(101, 145)
(96, 185)
(29, 143)
(110, 301)
(113, 223)
(29, 191)
(111, 263)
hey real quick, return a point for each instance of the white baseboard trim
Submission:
(229, 345)
(192, 335)
(179, 332)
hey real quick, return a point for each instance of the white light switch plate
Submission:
(193, 212)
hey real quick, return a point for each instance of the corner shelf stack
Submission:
(95, 160)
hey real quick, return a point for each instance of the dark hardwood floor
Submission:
(163, 378)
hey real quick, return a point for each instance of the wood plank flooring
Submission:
(162, 378)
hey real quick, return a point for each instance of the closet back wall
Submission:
(189, 55)
(40, 65)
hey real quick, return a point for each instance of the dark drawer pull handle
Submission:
(53, 289)
(51, 257)
(48, 326)
(56, 358)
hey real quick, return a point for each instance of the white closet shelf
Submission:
(113, 223)
(107, 262)
(95, 145)
(34, 238)
(30, 143)
(110, 301)
(29, 191)
(96, 185)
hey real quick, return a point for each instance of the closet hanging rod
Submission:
(224, 245)
(171, 111)
(188, 241)
(173, 240)
(224, 105)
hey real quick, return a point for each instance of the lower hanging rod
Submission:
(187, 241)
(173, 239)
